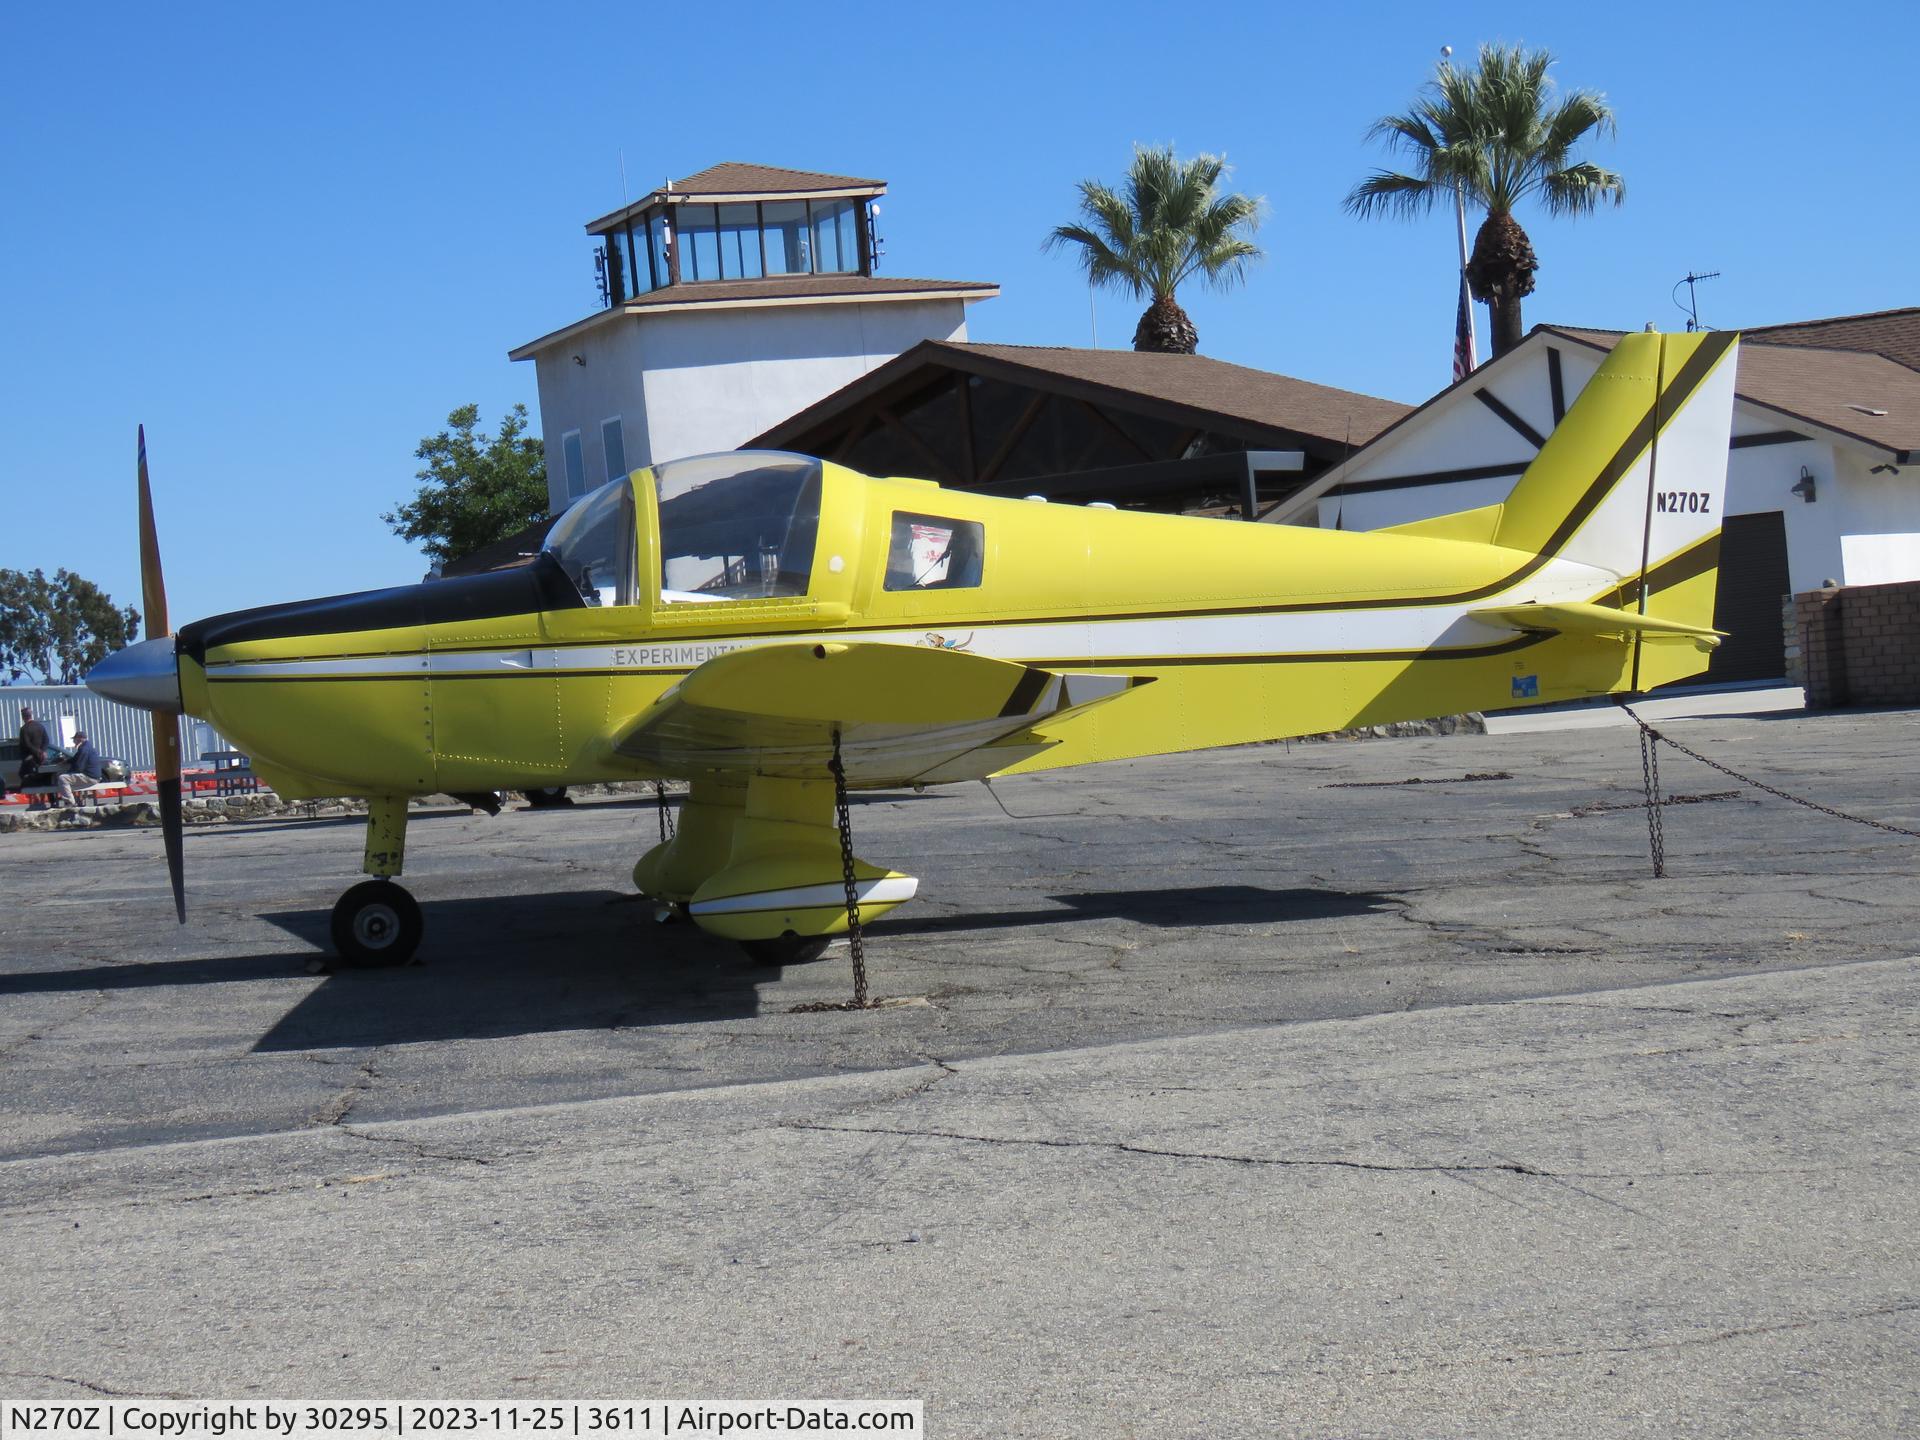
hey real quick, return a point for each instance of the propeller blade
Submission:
(166, 757)
(166, 727)
(153, 586)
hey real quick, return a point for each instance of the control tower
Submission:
(730, 300)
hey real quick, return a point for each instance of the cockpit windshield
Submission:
(593, 541)
(737, 526)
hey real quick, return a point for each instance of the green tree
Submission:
(1167, 224)
(1497, 132)
(53, 631)
(477, 489)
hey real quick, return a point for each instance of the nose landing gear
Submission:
(377, 923)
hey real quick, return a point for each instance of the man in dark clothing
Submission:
(84, 768)
(33, 747)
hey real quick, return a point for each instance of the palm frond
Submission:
(1579, 189)
(1414, 132)
(1581, 113)
(1387, 192)
(1498, 132)
(1166, 223)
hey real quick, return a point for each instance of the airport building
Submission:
(1126, 427)
(729, 300)
(117, 730)
(1823, 471)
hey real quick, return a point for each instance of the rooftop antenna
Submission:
(1692, 307)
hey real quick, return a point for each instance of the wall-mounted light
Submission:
(1804, 486)
(579, 359)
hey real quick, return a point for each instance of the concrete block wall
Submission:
(1859, 644)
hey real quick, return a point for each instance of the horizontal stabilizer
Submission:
(1577, 618)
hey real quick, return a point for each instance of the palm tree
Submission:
(1497, 133)
(1168, 224)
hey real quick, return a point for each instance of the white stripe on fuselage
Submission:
(1334, 633)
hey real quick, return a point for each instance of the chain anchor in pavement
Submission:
(854, 938)
(1650, 778)
(1650, 742)
(666, 815)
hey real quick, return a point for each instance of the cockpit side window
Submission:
(593, 541)
(929, 552)
(739, 526)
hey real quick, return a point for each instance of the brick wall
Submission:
(1859, 644)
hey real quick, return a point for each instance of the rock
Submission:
(1467, 724)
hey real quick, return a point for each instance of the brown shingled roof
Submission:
(1200, 383)
(735, 177)
(1197, 389)
(795, 287)
(1893, 333)
(1834, 388)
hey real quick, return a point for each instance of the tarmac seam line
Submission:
(1150, 1152)
(971, 1063)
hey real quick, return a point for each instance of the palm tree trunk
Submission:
(1165, 327)
(1504, 318)
(1500, 273)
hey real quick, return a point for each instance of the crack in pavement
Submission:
(1719, 1337)
(414, 1145)
(1151, 1152)
(92, 1385)
(336, 1110)
(101, 999)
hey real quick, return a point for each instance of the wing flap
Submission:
(903, 714)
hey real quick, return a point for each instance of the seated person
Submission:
(84, 768)
(963, 560)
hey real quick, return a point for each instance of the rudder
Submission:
(1633, 482)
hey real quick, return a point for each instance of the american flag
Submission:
(1463, 360)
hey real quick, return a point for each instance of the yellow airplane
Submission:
(777, 630)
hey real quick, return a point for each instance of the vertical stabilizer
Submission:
(1633, 482)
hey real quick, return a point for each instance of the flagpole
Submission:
(1460, 216)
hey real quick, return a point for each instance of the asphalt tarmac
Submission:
(1344, 1089)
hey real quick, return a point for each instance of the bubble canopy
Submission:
(593, 542)
(737, 526)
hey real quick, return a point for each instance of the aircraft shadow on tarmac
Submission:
(592, 959)
(1189, 905)
(494, 966)
(523, 964)
(498, 966)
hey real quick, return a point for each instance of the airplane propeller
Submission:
(166, 724)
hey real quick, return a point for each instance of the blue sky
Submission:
(290, 240)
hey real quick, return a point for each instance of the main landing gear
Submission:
(770, 865)
(377, 923)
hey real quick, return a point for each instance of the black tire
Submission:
(789, 949)
(548, 797)
(376, 924)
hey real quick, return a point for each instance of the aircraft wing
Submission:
(1576, 617)
(905, 714)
